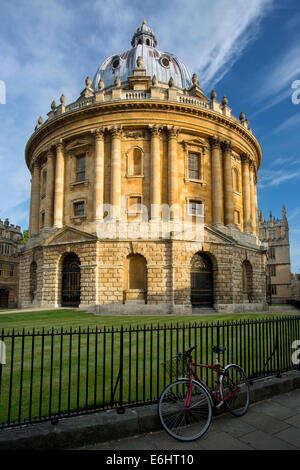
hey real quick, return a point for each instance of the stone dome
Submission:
(163, 65)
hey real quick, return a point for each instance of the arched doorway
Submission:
(3, 298)
(70, 295)
(201, 281)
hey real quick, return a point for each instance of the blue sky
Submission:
(248, 51)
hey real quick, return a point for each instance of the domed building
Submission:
(143, 195)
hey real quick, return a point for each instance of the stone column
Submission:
(99, 175)
(155, 183)
(59, 186)
(173, 171)
(35, 198)
(246, 192)
(253, 197)
(115, 186)
(228, 188)
(49, 189)
(216, 175)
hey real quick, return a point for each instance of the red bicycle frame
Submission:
(215, 396)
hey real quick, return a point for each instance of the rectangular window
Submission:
(273, 289)
(134, 204)
(237, 219)
(79, 209)
(272, 253)
(195, 208)
(194, 166)
(81, 168)
(42, 219)
(272, 269)
(11, 270)
(0, 269)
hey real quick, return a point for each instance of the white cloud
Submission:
(276, 85)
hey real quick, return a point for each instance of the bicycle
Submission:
(185, 405)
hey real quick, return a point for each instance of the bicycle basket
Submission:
(176, 366)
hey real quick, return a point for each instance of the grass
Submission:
(67, 319)
(60, 373)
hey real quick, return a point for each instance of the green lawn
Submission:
(67, 319)
(58, 373)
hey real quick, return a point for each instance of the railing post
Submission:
(121, 409)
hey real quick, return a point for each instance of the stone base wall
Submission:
(168, 264)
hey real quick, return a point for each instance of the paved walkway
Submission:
(272, 424)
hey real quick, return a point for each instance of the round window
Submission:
(116, 63)
(165, 61)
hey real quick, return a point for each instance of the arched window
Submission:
(201, 280)
(135, 162)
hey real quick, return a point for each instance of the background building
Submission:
(295, 287)
(10, 237)
(275, 232)
(141, 137)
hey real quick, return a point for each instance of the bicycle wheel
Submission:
(185, 413)
(235, 390)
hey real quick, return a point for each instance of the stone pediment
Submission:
(78, 144)
(69, 235)
(213, 235)
(197, 142)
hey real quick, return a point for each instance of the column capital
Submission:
(173, 132)
(59, 145)
(116, 131)
(245, 158)
(227, 146)
(50, 152)
(99, 133)
(35, 164)
(155, 130)
(215, 141)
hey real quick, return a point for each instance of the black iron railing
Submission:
(50, 374)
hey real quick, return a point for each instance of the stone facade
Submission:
(124, 153)
(275, 232)
(10, 237)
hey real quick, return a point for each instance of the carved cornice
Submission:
(105, 109)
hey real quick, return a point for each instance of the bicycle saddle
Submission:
(218, 349)
(189, 351)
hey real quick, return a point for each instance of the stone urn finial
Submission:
(53, 105)
(63, 99)
(154, 80)
(88, 82)
(242, 117)
(139, 62)
(101, 84)
(213, 95)
(224, 101)
(171, 82)
(117, 81)
(195, 79)
(40, 121)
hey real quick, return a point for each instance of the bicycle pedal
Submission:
(219, 405)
